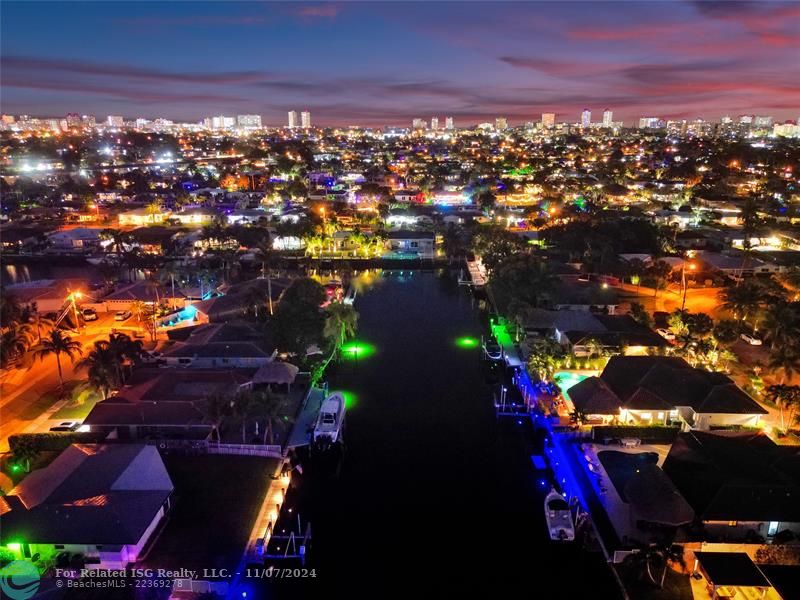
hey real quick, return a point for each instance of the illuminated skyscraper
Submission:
(548, 120)
(500, 123)
(434, 123)
(305, 119)
(586, 117)
(418, 124)
(292, 119)
(608, 118)
(114, 121)
(248, 121)
(448, 123)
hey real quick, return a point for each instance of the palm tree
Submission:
(659, 271)
(272, 407)
(264, 254)
(782, 323)
(102, 366)
(741, 299)
(169, 272)
(726, 332)
(786, 357)
(243, 406)
(124, 349)
(215, 408)
(646, 556)
(14, 342)
(256, 297)
(341, 323)
(785, 396)
(57, 344)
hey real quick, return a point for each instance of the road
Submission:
(29, 395)
(705, 300)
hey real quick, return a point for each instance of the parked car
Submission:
(153, 357)
(751, 339)
(666, 334)
(66, 426)
(89, 314)
(122, 315)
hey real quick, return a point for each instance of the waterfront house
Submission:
(232, 345)
(416, 243)
(645, 390)
(166, 403)
(126, 296)
(741, 485)
(142, 216)
(101, 501)
(581, 332)
(78, 238)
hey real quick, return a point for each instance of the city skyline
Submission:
(674, 60)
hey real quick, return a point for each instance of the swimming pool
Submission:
(566, 379)
(621, 466)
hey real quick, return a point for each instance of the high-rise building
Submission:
(220, 122)
(763, 122)
(292, 119)
(8, 119)
(586, 117)
(114, 121)
(500, 123)
(88, 121)
(608, 118)
(419, 124)
(141, 123)
(434, 123)
(248, 121)
(548, 120)
(746, 120)
(650, 123)
(305, 119)
(448, 123)
(73, 120)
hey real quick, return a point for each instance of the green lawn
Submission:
(82, 403)
(215, 504)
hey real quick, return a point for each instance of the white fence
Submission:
(270, 450)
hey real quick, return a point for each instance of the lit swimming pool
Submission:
(566, 379)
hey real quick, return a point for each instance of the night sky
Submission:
(385, 63)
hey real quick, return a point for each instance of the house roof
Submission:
(677, 384)
(224, 340)
(404, 234)
(655, 499)
(90, 494)
(276, 372)
(592, 396)
(731, 569)
(734, 476)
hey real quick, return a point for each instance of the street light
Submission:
(692, 267)
(72, 297)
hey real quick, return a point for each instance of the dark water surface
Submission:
(435, 495)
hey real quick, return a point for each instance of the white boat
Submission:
(330, 420)
(558, 517)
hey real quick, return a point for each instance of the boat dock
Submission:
(304, 422)
(511, 354)
(477, 274)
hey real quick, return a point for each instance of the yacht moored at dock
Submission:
(558, 517)
(330, 421)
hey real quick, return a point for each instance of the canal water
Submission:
(435, 495)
